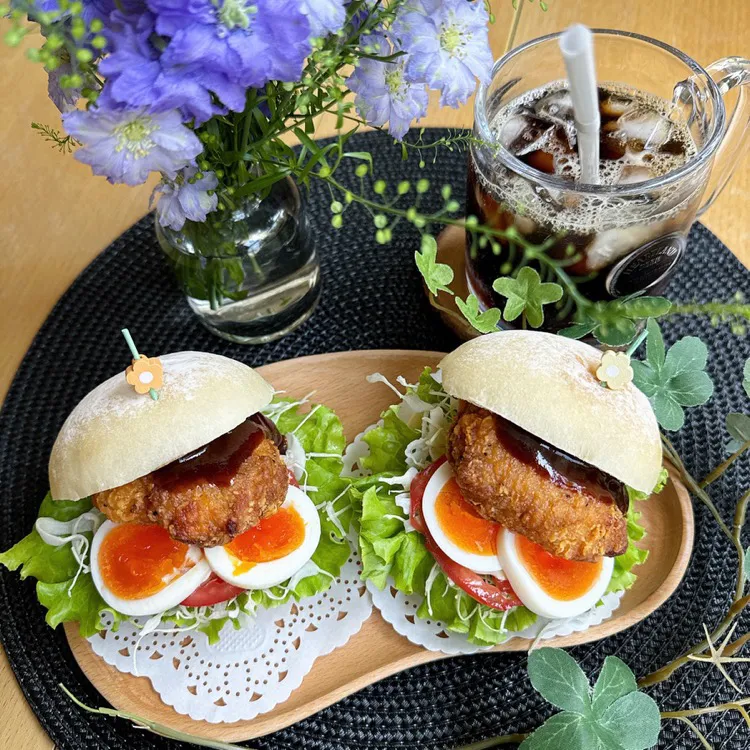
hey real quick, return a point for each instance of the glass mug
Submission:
(610, 240)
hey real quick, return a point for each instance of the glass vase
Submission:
(250, 272)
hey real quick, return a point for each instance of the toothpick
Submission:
(134, 351)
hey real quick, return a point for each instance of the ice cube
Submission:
(646, 126)
(613, 244)
(524, 132)
(557, 109)
(614, 105)
(612, 142)
(632, 173)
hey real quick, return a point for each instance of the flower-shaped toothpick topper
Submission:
(615, 371)
(145, 374)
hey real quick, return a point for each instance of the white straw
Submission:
(577, 47)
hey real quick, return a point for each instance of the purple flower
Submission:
(383, 91)
(64, 98)
(181, 200)
(137, 76)
(124, 146)
(448, 46)
(102, 9)
(325, 16)
(250, 43)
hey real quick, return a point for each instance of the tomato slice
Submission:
(292, 479)
(212, 591)
(498, 595)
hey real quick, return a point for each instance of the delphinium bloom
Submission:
(249, 42)
(63, 97)
(124, 146)
(186, 198)
(384, 91)
(138, 75)
(325, 16)
(448, 46)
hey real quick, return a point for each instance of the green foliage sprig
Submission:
(63, 143)
(673, 379)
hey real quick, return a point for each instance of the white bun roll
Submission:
(116, 435)
(547, 385)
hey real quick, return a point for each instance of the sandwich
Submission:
(503, 487)
(186, 500)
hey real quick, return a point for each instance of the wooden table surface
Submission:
(56, 216)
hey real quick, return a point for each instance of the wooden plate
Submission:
(377, 650)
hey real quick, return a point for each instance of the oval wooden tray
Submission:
(377, 650)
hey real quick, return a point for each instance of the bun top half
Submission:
(115, 435)
(547, 385)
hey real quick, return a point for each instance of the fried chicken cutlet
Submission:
(205, 513)
(576, 516)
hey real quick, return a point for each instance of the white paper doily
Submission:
(400, 611)
(252, 669)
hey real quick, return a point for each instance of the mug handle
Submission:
(729, 73)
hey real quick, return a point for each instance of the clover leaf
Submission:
(614, 717)
(615, 680)
(436, 275)
(738, 426)
(484, 322)
(673, 379)
(556, 676)
(527, 294)
(614, 322)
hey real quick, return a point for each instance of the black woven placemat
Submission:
(372, 298)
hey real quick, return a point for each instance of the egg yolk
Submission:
(137, 561)
(272, 538)
(462, 524)
(563, 580)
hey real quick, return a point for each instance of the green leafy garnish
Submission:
(436, 275)
(616, 716)
(673, 379)
(55, 568)
(614, 322)
(484, 322)
(738, 426)
(527, 295)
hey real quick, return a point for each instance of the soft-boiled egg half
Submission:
(455, 525)
(273, 550)
(141, 570)
(547, 585)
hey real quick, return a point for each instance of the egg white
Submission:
(533, 596)
(473, 561)
(266, 574)
(170, 596)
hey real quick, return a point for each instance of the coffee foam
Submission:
(566, 211)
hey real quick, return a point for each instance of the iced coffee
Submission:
(611, 242)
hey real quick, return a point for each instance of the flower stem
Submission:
(152, 726)
(506, 739)
(509, 42)
(722, 467)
